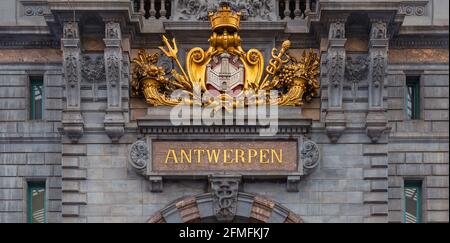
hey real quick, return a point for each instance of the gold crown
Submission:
(225, 19)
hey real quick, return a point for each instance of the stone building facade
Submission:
(371, 144)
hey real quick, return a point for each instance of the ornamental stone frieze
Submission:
(72, 119)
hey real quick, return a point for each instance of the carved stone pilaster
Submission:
(224, 189)
(335, 120)
(376, 122)
(72, 120)
(114, 121)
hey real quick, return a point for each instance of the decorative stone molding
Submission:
(255, 10)
(114, 121)
(139, 156)
(224, 189)
(310, 155)
(34, 8)
(72, 119)
(335, 66)
(413, 8)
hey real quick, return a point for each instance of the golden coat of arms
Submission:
(225, 71)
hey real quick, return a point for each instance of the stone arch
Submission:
(250, 208)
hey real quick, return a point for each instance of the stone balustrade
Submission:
(251, 10)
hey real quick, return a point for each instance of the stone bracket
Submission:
(73, 125)
(155, 183)
(114, 125)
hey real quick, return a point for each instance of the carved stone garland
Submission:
(356, 71)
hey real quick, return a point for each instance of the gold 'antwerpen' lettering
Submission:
(199, 153)
(252, 153)
(239, 156)
(225, 156)
(278, 156)
(263, 156)
(213, 154)
(185, 156)
(174, 156)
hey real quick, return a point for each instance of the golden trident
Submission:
(172, 53)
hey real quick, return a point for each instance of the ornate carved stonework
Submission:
(294, 80)
(72, 119)
(309, 154)
(114, 121)
(337, 30)
(139, 155)
(335, 120)
(378, 30)
(93, 69)
(376, 121)
(70, 30)
(378, 74)
(413, 8)
(250, 9)
(356, 69)
(336, 65)
(112, 30)
(225, 191)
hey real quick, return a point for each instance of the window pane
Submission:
(412, 199)
(37, 99)
(409, 101)
(412, 97)
(36, 201)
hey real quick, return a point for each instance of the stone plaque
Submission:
(224, 156)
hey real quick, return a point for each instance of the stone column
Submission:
(114, 121)
(376, 122)
(335, 120)
(72, 120)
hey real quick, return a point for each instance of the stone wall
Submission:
(29, 150)
(418, 149)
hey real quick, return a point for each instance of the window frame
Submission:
(415, 82)
(29, 203)
(32, 83)
(419, 210)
